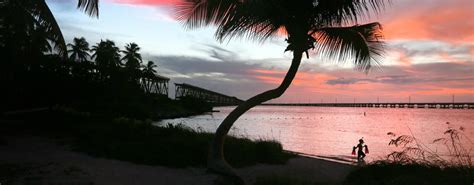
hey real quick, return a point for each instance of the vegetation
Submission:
(308, 25)
(414, 151)
(140, 141)
(414, 163)
(98, 83)
(29, 27)
(36, 71)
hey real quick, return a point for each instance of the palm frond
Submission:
(337, 12)
(47, 19)
(361, 43)
(198, 13)
(254, 19)
(91, 7)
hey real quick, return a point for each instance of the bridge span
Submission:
(457, 105)
(214, 98)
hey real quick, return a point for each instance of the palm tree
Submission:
(29, 14)
(132, 56)
(79, 50)
(148, 73)
(150, 68)
(307, 24)
(107, 56)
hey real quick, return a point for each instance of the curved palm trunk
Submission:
(216, 161)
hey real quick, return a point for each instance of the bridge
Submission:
(457, 105)
(156, 84)
(215, 98)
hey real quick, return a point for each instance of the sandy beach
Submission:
(37, 160)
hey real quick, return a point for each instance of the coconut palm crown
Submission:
(106, 54)
(79, 50)
(132, 56)
(322, 25)
(308, 24)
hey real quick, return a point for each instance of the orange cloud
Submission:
(440, 20)
(423, 19)
(420, 82)
(269, 72)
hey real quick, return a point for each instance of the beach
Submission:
(38, 160)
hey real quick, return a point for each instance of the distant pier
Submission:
(459, 105)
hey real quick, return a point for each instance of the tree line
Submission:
(108, 64)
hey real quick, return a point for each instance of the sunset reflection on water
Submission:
(331, 131)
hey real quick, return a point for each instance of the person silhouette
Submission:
(360, 152)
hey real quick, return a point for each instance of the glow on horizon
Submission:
(429, 56)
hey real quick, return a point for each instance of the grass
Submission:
(416, 164)
(142, 143)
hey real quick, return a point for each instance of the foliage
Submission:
(103, 87)
(141, 142)
(413, 151)
(415, 163)
(317, 25)
(30, 27)
(79, 50)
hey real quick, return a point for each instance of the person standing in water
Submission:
(360, 152)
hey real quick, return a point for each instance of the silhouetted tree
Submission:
(25, 29)
(20, 18)
(133, 60)
(107, 57)
(79, 50)
(132, 56)
(149, 76)
(308, 24)
(149, 69)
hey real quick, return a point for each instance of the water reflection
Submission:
(332, 132)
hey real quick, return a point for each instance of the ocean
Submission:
(333, 131)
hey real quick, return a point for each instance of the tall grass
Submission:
(455, 141)
(415, 163)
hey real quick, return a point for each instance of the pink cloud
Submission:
(434, 20)
(424, 19)
(148, 2)
(425, 82)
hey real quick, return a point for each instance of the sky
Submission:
(429, 53)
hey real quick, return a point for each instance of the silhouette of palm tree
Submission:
(308, 24)
(149, 69)
(132, 57)
(79, 50)
(107, 57)
(149, 76)
(38, 13)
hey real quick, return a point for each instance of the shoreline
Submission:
(47, 161)
(326, 158)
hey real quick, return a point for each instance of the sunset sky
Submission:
(429, 53)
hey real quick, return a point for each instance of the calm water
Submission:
(333, 131)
